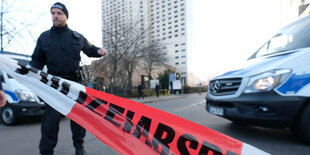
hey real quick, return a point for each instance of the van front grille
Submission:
(224, 86)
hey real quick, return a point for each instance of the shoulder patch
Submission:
(76, 34)
(89, 43)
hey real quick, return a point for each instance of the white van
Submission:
(272, 89)
(21, 102)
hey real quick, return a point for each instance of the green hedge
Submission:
(151, 92)
(147, 92)
(188, 90)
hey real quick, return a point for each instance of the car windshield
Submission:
(293, 36)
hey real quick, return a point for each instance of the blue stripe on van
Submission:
(12, 94)
(295, 83)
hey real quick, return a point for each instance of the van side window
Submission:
(1, 75)
(262, 51)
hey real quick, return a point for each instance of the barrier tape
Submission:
(126, 126)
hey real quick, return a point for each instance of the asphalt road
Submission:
(24, 138)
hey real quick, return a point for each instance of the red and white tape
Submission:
(126, 126)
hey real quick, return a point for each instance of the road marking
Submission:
(189, 106)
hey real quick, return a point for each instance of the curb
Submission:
(155, 99)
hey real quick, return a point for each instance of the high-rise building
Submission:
(167, 22)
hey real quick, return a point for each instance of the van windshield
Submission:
(293, 36)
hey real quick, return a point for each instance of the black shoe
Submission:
(80, 152)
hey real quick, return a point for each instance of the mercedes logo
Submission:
(216, 87)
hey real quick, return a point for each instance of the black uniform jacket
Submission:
(59, 49)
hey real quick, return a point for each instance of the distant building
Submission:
(96, 73)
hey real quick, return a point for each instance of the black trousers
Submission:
(50, 128)
(140, 94)
(157, 93)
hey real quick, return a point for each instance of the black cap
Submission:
(62, 7)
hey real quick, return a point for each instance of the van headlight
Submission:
(266, 81)
(25, 95)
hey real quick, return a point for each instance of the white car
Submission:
(21, 101)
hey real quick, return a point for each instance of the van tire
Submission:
(301, 127)
(8, 115)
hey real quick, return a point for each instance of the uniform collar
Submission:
(60, 29)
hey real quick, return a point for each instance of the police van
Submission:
(272, 88)
(21, 101)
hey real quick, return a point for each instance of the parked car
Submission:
(272, 89)
(21, 101)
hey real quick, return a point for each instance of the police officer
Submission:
(59, 49)
(2, 95)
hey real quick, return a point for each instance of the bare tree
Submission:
(14, 26)
(135, 49)
(153, 58)
(114, 44)
(128, 45)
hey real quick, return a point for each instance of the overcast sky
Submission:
(225, 32)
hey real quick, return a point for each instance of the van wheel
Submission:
(8, 116)
(301, 127)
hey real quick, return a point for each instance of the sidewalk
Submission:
(155, 99)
